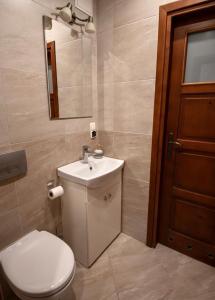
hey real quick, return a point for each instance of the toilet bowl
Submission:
(39, 265)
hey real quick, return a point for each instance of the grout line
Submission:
(136, 179)
(126, 132)
(134, 22)
(24, 71)
(127, 24)
(128, 81)
(36, 140)
(43, 139)
(113, 276)
(131, 81)
(48, 8)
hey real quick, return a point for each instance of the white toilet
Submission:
(39, 265)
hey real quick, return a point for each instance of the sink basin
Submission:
(92, 173)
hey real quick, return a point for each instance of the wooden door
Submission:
(187, 207)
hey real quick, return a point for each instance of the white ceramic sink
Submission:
(90, 174)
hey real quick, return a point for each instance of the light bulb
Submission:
(66, 14)
(90, 27)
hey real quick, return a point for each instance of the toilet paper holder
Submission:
(51, 184)
(54, 191)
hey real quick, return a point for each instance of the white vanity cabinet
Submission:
(91, 216)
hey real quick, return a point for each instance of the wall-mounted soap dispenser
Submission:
(92, 130)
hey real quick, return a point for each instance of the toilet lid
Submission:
(39, 264)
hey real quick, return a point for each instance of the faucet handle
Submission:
(85, 153)
(86, 150)
(85, 147)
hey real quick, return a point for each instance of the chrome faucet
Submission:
(85, 154)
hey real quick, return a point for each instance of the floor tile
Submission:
(128, 269)
(95, 283)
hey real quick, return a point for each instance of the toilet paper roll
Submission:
(55, 192)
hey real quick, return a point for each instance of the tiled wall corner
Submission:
(127, 45)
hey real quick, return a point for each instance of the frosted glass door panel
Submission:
(200, 62)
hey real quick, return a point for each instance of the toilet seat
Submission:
(39, 264)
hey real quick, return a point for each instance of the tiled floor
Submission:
(128, 270)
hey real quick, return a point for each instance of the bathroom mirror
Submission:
(69, 70)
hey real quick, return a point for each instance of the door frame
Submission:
(166, 15)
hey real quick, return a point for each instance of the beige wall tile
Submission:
(29, 194)
(134, 223)
(74, 143)
(127, 59)
(36, 210)
(16, 77)
(133, 106)
(8, 198)
(135, 208)
(105, 15)
(106, 107)
(73, 146)
(43, 156)
(10, 229)
(32, 212)
(51, 4)
(106, 59)
(126, 11)
(4, 133)
(28, 114)
(21, 46)
(135, 194)
(135, 149)
(78, 125)
(106, 139)
(135, 47)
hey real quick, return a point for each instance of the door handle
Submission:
(176, 144)
(172, 144)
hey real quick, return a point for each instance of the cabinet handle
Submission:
(109, 195)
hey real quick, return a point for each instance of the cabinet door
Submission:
(103, 216)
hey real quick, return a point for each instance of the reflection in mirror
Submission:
(69, 71)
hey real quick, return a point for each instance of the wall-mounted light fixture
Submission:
(67, 15)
